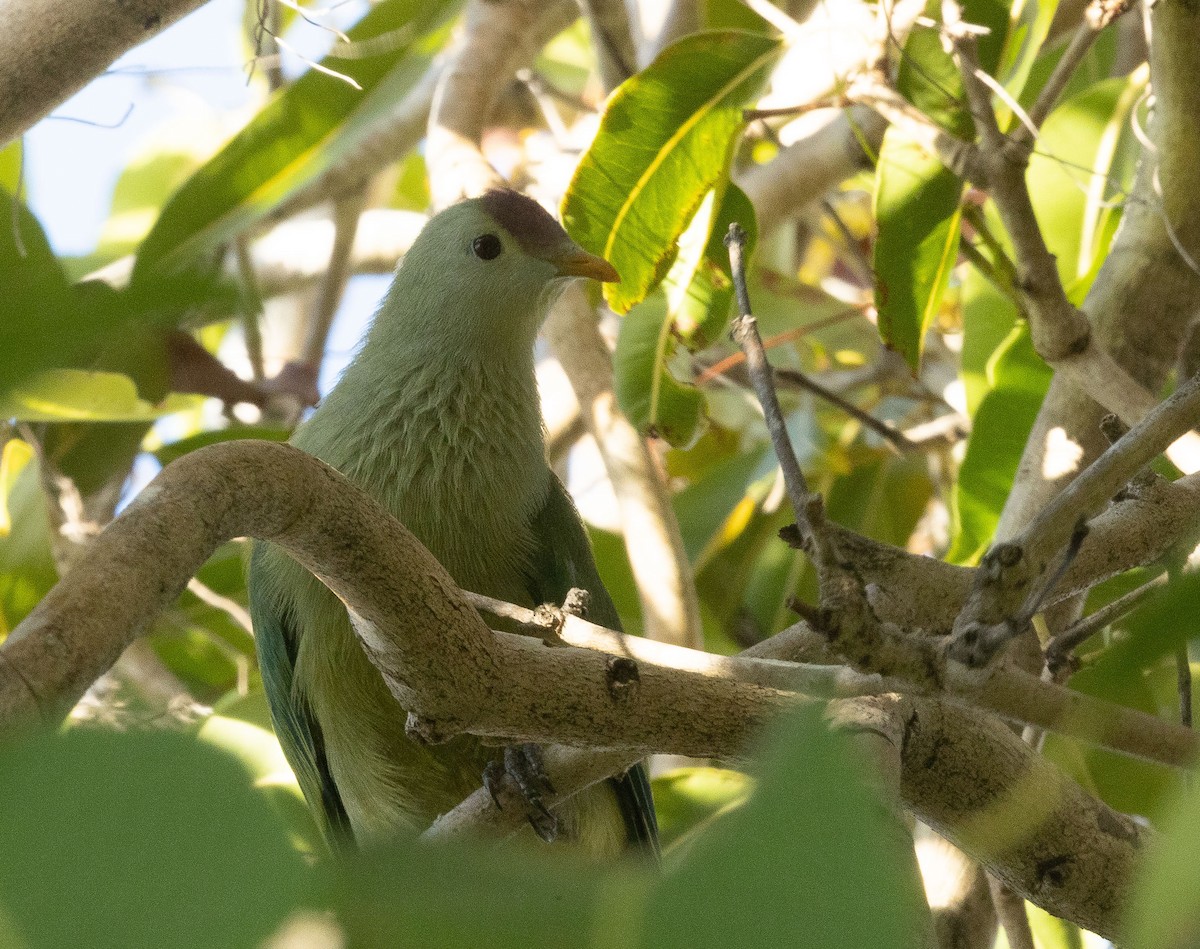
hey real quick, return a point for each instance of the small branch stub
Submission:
(622, 677)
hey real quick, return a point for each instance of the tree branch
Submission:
(413, 619)
(51, 50)
(666, 587)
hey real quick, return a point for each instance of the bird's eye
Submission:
(487, 247)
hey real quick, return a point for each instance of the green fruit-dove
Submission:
(438, 418)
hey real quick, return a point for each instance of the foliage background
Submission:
(173, 842)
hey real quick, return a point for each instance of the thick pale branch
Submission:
(445, 663)
(50, 50)
(666, 588)
(1097, 484)
(498, 38)
(141, 562)
(493, 686)
(979, 785)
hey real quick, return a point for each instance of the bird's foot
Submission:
(527, 769)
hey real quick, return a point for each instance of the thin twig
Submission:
(346, 213)
(894, 437)
(745, 331)
(313, 64)
(231, 608)
(787, 336)
(252, 308)
(1080, 43)
(831, 102)
(1063, 644)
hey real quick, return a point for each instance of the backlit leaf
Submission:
(665, 141)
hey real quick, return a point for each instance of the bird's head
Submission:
(486, 270)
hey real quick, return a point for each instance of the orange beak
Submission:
(577, 262)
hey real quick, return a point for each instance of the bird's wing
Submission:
(277, 639)
(562, 560)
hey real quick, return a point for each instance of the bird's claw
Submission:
(527, 769)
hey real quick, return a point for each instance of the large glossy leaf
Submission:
(700, 295)
(612, 563)
(705, 507)
(1163, 911)
(998, 435)
(27, 569)
(665, 141)
(240, 725)
(50, 324)
(1027, 31)
(916, 197)
(813, 814)
(647, 390)
(685, 798)
(1085, 155)
(917, 207)
(36, 328)
(139, 839)
(75, 395)
(307, 128)
(988, 318)
(454, 897)
(698, 292)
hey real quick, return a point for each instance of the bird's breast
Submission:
(463, 468)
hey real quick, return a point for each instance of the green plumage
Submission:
(438, 418)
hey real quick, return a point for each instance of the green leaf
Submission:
(929, 78)
(916, 198)
(1163, 911)
(999, 432)
(698, 292)
(646, 389)
(882, 497)
(812, 827)
(665, 140)
(612, 563)
(309, 127)
(27, 570)
(1027, 31)
(705, 508)
(1085, 154)
(139, 839)
(700, 301)
(75, 395)
(11, 157)
(168, 453)
(138, 197)
(917, 207)
(686, 798)
(240, 725)
(988, 319)
(37, 329)
(456, 897)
